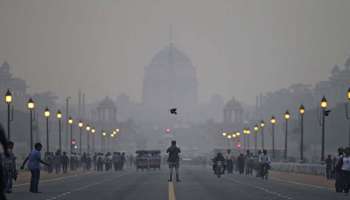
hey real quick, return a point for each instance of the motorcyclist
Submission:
(218, 158)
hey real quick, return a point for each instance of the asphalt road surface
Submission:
(198, 183)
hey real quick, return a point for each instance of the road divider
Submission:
(171, 191)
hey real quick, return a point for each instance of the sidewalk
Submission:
(303, 179)
(24, 176)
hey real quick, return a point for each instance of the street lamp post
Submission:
(262, 125)
(286, 117)
(256, 129)
(80, 125)
(93, 131)
(273, 124)
(301, 112)
(8, 101)
(47, 116)
(248, 138)
(325, 112)
(66, 118)
(59, 117)
(31, 106)
(70, 122)
(88, 128)
(103, 135)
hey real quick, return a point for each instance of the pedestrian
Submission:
(329, 163)
(58, 161)
(122, 161)
(3, 142)
(346, 170)
(34, 160)
(229, 162)
(241, 163)
(65, 162)
(339, 179)
(174, 160)
(9, 164)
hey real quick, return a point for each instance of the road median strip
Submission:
(171, 191)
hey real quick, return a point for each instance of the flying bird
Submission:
(173, 111)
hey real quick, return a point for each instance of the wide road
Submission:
(198, 183)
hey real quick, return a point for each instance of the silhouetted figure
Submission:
(329, 163)
(65, 162)
(10, 170)
(174, 160)
(229, 162)
(34, 160)
(339, 179)
(241, 163)
(218, 158)
(346, 170)
(3, 142)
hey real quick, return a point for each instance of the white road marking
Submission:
(302, 184)
(53, 179)
(277, 194)
(83, 188)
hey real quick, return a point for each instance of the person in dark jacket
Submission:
(9, 166)
(174, 160)
(339, 180)
(3, 142)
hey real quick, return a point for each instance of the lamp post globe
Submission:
(8, 97)
(324, 103)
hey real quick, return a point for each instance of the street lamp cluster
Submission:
(287, 116)
(31, 105)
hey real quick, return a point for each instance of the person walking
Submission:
(339, 179)
(345, 167)
(65, 162)
(3, 142)
(34, 160)
(10, 170)
(174, 160)
(329, 162)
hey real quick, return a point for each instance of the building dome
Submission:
(170, 55)
(107, 103)
(170, 80)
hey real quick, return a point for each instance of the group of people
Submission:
(339, 169)
(61, 162)
(245, 164)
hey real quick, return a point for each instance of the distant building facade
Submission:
(18, 87)
(170, 81)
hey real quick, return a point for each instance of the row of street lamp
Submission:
(287, 116)
(47, 114)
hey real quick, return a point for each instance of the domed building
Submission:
(170, 81)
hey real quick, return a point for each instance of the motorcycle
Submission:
(219, 169)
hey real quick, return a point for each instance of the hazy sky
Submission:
(239, 47)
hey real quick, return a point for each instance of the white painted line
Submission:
(302, 184)
(53, 179)
(83, 188)
(277, 194)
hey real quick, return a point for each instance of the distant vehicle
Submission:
(219, 169)
(148, 159)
